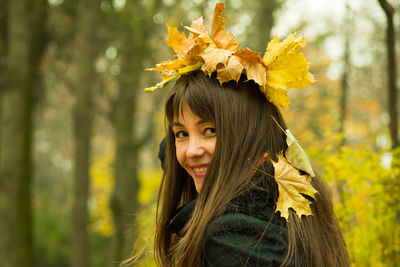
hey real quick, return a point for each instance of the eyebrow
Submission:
(197, 123)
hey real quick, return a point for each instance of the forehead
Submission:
(196, 101)
(185, 113)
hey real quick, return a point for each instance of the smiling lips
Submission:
(200, 170)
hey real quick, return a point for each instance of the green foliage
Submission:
(51, 234)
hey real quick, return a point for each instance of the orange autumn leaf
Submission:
(291, 186)
(222, 39)
(166, 66)
(254, 65)
(178, 41)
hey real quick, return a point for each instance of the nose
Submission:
(194, 148)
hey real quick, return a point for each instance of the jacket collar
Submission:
(179, 218)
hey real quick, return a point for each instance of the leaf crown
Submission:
(283, 65)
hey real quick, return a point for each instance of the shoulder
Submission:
(243, 238)
(233, 229)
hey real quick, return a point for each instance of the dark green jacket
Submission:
(248, 233)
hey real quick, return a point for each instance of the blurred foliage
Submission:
(364, 175)
(366, 202)
(102, 183)
(102, 180)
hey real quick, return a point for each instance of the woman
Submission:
(221, 202)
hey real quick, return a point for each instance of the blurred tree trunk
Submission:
(124, 203)
(24, 49)
(391, 67)
(392, 257)
(3, 42)
(88, 15)
(348, 27)
(265, 21)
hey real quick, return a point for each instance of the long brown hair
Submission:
(245, 131)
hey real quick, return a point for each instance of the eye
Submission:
(181, 134)
(209, 131)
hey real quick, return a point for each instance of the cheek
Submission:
(180, 153)
(211, 146)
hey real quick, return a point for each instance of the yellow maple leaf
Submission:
(289, 71)
(254, 65)
(222, 39)
(286, 65)
(275, 48)
(291, 185)
(276, 96)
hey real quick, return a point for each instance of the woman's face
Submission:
(195, 142)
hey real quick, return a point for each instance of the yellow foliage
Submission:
(150, 180)
(102, 184)
(366, 204)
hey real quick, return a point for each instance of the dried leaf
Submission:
(296, 155)
(283, 65)
(197, 27)
(214, 57)
(254, 65)
(291, 185)
(193, 55)
(201, 38)
(232, 71)
(219, 35)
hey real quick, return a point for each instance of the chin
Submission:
(198, 186)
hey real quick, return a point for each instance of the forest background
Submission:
(79, 173)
